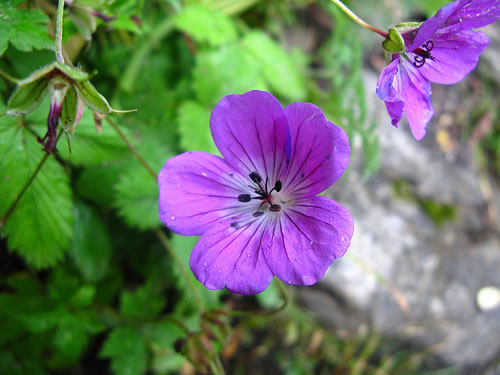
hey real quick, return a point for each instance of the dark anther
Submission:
(255, 177)
(235, 225)
(258, 213)
(275, 208)
(278, 185)
(244, 197)
(423, 53)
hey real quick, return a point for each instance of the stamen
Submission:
(258, 213)
(423, 53)
(255, 177)
(275, 208)
(244, 197)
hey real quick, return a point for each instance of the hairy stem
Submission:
(132, 148)
(164, 240)
(358, 20)
(59, 31)
(26, 186)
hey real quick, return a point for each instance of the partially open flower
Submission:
(68, 88)
(256, 209)
(443, 49)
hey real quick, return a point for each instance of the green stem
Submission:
(358, 20)
(132, 148)
(26, 186)
(59, 31)
(164, 240)
(8, 77)
(130, 75)
(284, 295)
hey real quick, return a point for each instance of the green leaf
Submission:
(69, 340)
(25, 29)
(206, 25)
(227, 70)
(98, 183)
(194, 128)
(137, 191)
(92, 147)
(127, 350)
(40, 227)
(278, 68)
(91, 250)
(144, 302)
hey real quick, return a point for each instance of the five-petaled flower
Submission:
(256, 208)
(443, 49)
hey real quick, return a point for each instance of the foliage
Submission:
(90, 280)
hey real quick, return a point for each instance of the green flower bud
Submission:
(69, 87)
(394, 42)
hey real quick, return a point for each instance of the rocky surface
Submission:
(404, 274)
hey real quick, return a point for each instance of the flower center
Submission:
(263, 194)
(422, 53)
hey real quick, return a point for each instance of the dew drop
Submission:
(342, 238)
(207, 269)
(204, 174)
(205, 263)
(239, 274)
(335, 149)
(172, 217)
(220, 271)
(249, 255)
(290, 281)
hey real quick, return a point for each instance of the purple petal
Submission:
(455, 55)
(461, 14)
(473, 14)
(231, 258)
(196, 189)
(417, 98)
(390, 91)
(303, 243)
(320, 151)
(251, 132)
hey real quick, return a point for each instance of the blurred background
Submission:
(92, 283)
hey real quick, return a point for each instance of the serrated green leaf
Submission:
(127, 350)
(194, 128)
(25, 29)
(206, 25)
(278, 68)
(91, 249)
(92, 147)
(144, 302)
(69, 340)
(40, 227)
(227, 70)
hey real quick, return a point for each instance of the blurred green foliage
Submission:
(88, 283)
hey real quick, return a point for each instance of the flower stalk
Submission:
(358, 20)
(59, 31)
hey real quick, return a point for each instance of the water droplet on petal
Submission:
(249, 255)
(205, 263)
(204, 174)
(290, 281)
(172, 217)
(220, 271)
(342, 238)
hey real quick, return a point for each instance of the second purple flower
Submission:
(256, 208)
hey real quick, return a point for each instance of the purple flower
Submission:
(256, 208)
(443, 49)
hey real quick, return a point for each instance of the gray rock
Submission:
(404, 275)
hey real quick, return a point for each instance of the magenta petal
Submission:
(320, 151)
(431, 25)
(455, 56)
(390, 91)
(395, 110)
(251, 132)
(196, 189)
(308, 237)
(231, 258)
(473, 14)
(417, 97)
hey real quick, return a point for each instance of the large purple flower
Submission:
(443, 49)
(256, 208)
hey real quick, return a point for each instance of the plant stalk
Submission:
(59, 31)
(358, 20)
